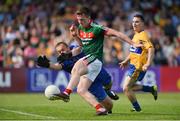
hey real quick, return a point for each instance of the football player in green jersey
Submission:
(91, 38)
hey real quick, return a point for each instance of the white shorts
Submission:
(93, 69)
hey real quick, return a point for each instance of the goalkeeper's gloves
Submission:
(64, 56)
(42, 61)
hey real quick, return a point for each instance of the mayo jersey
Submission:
(92, 39)
(138, 55)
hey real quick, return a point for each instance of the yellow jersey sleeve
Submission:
(146, 40)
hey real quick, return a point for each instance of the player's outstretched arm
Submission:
(68, 55)
(44, 62)
(112, 32)
(55, 66)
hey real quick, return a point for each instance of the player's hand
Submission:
(123, 64)
(60, 59)
(64, 56)
(73, 30)
(145, 67)
(42, 61)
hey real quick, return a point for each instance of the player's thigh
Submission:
(98, 91)
(132, 77)
(84, 84)
(94, 69)
(141, 75)
(79, 68)
(104, 77)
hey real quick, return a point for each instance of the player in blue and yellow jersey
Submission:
(140, 59)
(102, 80)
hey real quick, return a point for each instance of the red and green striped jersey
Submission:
(92, 39)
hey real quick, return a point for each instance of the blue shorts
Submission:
(96, 88)
(135, 74)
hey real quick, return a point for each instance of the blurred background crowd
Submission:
(29, 28)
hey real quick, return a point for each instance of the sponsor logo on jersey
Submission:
(137, 50)
(86, 35)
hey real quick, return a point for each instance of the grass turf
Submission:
(37, 107)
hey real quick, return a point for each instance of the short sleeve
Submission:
(145, 40)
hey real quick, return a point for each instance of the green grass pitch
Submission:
(37, 107)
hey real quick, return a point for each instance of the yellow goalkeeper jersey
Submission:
(138, 55)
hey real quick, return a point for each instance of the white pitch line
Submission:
(28, 114)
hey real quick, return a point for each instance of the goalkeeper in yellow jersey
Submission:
(140, 59)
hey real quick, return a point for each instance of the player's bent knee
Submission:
(81, 91)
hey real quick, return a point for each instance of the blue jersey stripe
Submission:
(137, 50)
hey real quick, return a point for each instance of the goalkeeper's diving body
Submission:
(100, 88)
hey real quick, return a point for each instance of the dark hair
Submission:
(140, 16)
(59, 43)
(83, 10)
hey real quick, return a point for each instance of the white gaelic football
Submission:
(50, 91)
